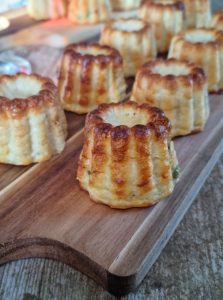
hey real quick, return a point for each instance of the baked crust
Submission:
(109, 55)
(190, 44)
(90, 75)
(157, 123)
(184, 96)
(198, 13)
(89, 11)
(162, 4)
(47, 9)
(18, 107)
(127, 158)
(133, 38)
(217, 20)
(167, 19)
(32, 128)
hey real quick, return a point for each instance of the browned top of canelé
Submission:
(175, 69)
(127, 26)
(17, 106)
(219, 15)
(157, 122)
(200, 38)
(93, 53)
(175, 4)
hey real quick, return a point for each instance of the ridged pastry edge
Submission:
(178, 5)
(158, 123)
(18, 106)
(195, 73)
(218, 34)
(113, 54)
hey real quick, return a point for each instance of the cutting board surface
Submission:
(57, 33)
(44, 213)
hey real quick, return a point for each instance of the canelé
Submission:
(90, 75)
(179, 89)
(128, 159)
(32, 122)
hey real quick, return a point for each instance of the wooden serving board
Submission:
(44, 213)
(56, 33)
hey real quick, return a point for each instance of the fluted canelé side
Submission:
(90, 75)
(128, 159)
(198, 13)
(89, 11)
(203, 47)
(32, 122)
(134, 39)
(47, 9)
(179, 89)
(167, 19)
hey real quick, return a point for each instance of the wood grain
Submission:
(190, 267)
(45, 213)
(57, 33)
(18, 23)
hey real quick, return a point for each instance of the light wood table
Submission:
(190, 267)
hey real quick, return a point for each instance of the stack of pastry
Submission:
(117, 164)
(128, 158)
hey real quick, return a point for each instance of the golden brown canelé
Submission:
(47, 9)
(128, 159)
(32, 122)
(90, 75)
(179, 89)
(217, 20)
(167, 19)
(203, 47)
(134, 39)
(198, 13)
(122, 5)
(89, 11)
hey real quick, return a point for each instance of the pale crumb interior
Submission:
(126, 116)
(128, 25)
(19, 87)
(199, 36)
(171, 69)
(91, 50)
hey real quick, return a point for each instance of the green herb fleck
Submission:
(176, 173)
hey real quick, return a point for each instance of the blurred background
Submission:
(6, 5)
